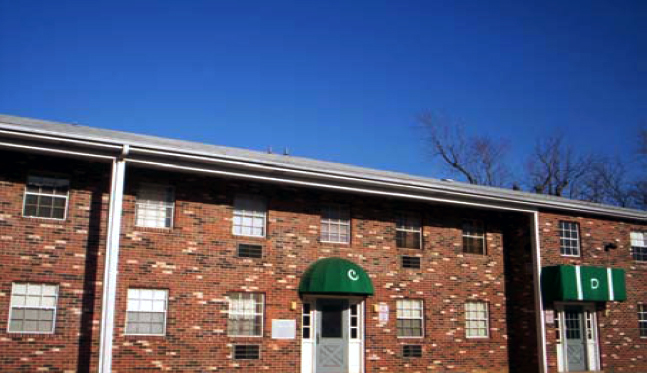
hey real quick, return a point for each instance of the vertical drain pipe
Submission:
(539, 304)
(111, 264)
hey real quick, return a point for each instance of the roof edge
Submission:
(28, 126)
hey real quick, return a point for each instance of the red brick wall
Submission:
(196, 262)
(56, 252)
(621, 348)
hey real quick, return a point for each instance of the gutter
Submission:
(452, 190)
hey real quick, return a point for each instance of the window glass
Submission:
(335, 224)
(476, 319)
(155, 206)
(249, 216)
(642, 319)
(639, 246)
(33, 308)
(245, 314)
(569, 238)
(409, 318)
(408, 231)
(146, 312)
(46, 197)
(473, 237)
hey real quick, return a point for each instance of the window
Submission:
(639, 246)
(476, 320)
(412, 351)
(155, 206)
(473, 237)
(411, 262)
(569, 238)
(33, 308)
(335, 224)
(46, 197)
(409, 318)
(250, 251)
(642, 319)
(249, 216)
(247, 352)
(245, 314)
(146, 312)
(354, 321)
(408, 232)
(306, 321)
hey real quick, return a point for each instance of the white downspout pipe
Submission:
(112, 261)
(539, 305)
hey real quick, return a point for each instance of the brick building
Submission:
(131, 253)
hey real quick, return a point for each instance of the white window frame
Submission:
(307, 320)
(27, 192)
(398, 316)
(342, 211)
(485, 317)
(139, 299)
(406, 228)
(642, 317)
(164, 191)
(638, 240)
(476, 225)
(253, 214)
(577, 240)
(254, 313)
(12, 306)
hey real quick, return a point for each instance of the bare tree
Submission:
(478, 159)
(608, 182)
(555, 169)
(640, 186)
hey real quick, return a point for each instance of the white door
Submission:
(322, 348)
(332, 336)
(577, 347)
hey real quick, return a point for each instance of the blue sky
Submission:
(334, 80)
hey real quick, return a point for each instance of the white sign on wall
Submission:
(549, 315)
(383, 312)
(284, 329)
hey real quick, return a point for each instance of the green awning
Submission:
(335, 276)
(573, 283)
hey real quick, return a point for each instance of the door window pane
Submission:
(331, 321)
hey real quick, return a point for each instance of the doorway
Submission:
(333, 335)
(577, 332)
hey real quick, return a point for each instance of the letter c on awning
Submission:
(335, 276)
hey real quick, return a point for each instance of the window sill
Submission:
(242, 236)
(152, 229)
(474, 255)
(136, 336)
(334, 243)
(255, 337)
(44, 220)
